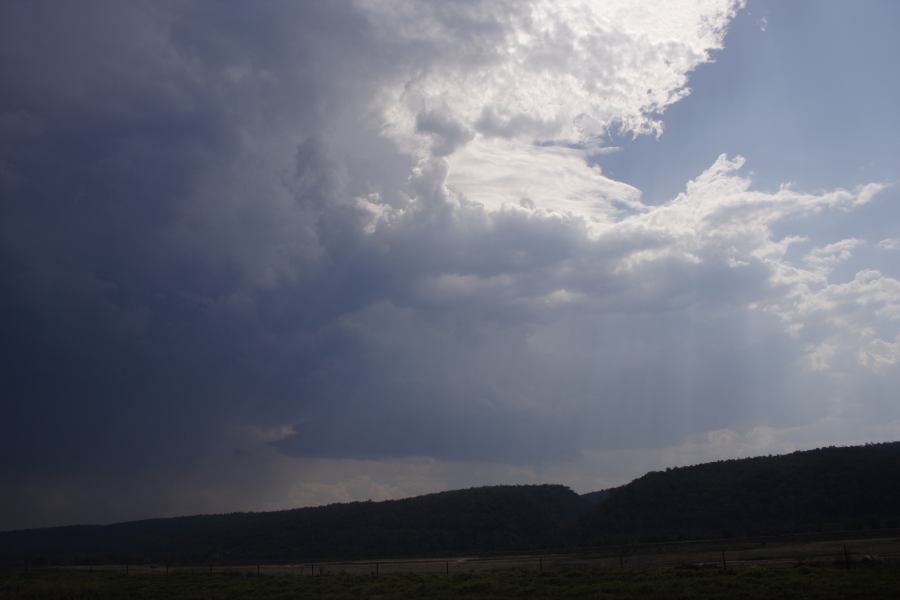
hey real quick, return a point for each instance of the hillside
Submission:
(487, 519)
(828, 489)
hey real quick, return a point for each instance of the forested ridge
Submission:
(492, 519)
(829, 489)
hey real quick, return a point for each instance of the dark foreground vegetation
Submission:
(825, 490)
(811, 582)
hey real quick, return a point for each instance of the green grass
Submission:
(826, 582)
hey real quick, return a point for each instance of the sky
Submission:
(257, 256)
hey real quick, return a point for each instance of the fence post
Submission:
(126, 569)
(724, 564)
(376, 569)
(257, 570)
(447, 567)
(846, 557)
(541, 564)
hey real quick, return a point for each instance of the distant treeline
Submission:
(829, 489)
(501, 518)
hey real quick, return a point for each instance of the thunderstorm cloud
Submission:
(262, 255)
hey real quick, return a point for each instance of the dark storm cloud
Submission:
(108, 282)
(165, 268)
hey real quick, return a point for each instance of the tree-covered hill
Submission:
(828, 489)
(487, 519)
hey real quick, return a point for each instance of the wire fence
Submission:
(704, 554)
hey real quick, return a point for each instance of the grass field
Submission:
(816, 581)
(753, 569)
